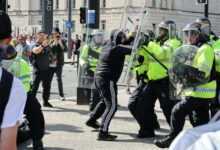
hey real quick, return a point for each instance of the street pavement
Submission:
(65, 122)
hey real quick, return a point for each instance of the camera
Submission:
(58, 37)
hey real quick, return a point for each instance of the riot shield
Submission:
(182, 70)
(137, 44)
(88, 61)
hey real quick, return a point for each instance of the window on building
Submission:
(41, 4)
(74, 3)
(57, 4)
(85, 3)
(103, 22)
(103, 3)
(57, 24)
(67, 3)
(73, 26)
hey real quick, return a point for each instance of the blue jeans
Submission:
(58, 71)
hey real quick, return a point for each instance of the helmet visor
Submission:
(191, 37)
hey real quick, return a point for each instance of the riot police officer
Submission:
(89, 60)
(215, 43)
(198, 86)
(141, 75)
(158, 84)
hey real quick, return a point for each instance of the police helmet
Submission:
(206, 27)
(169, 26)
(192, 33)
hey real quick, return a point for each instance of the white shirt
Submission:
(205, 137)
(16, 103)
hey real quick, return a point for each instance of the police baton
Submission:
(156, 59)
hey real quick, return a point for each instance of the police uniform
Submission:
(197, 98)
(142, 80)
(34, 115)
(215, 103)
(89, 59)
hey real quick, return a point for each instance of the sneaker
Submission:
(62, 98)
(165, 142)
(92, 123)
(128, 91)
(105, 136)
(38, 145)
(72, 63)
(47, 104)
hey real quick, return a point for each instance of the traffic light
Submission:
(201, 1)
(83, 15)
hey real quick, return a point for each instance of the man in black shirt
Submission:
(58, 47)
(42, 56)
(111, 62)
(76, 51)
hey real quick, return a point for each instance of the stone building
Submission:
(26, 14)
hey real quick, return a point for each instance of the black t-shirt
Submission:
(42, 60)
(77, 44)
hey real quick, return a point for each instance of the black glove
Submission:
(146, 40)
(140, 59)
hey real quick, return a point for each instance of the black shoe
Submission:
(47, 104)
(105, 136)
(92, 123)
(72, 63)
(38, 145)
(165, 142)
(146, 135)
(128, 91)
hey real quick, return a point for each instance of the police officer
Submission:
(141, 75)
(158, 84)
(197, 97)
(20, 69)
(42, 56)
(89, 60)
(215, 43)
(107, 74)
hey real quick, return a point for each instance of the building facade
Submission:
(26, 15)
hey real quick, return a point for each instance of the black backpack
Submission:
(5, 90)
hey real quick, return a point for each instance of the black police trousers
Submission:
(184, 107)
(215, 102)
(35, 117)
(152, 91)
(43, 76)
(132, 105)
(108, 104)
(90, 91)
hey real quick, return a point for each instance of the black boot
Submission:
(165, 142)
(105, 136)
(47, 104)
(144, 134)
(92, 123)
(38, 145)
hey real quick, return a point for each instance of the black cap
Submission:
(10, 53)
(55, 30)
(5, 26)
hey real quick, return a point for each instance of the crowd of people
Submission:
(101, 64)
